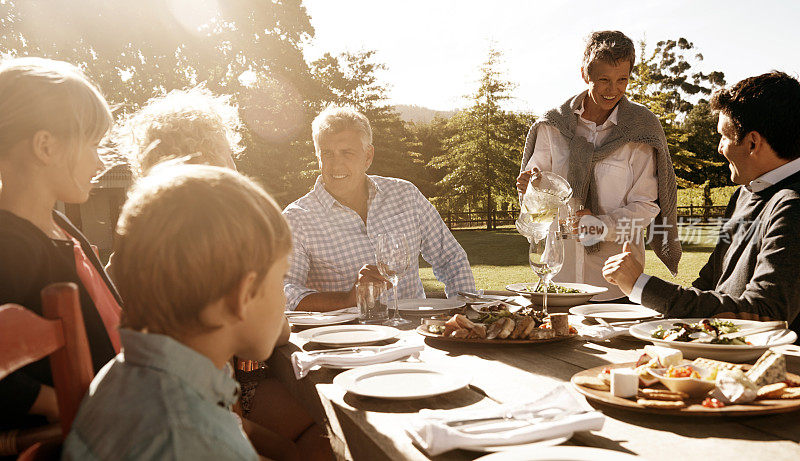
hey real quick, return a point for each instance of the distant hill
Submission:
(421, 114)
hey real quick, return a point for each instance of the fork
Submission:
(530, 417)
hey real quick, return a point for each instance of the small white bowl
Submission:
(691, 386)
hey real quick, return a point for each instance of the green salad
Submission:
(552, 288)
(682, 332)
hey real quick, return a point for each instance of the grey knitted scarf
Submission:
(635, 123)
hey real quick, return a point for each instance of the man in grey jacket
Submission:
(754, 271)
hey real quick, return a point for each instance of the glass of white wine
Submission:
(393, 259)
(546, 256)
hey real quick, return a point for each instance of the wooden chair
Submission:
(26, 337)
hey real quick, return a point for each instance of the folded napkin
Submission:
(311, 318)
(601, 332)
(303, 362)
(431, 432)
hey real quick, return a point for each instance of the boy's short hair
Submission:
(187, 236)
(768, 104)
(193, 124)
(335, 119)
(608, 46)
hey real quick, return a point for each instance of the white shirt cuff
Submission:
(638, 287)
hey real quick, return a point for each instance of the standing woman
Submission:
(614, 154)
(52, 120)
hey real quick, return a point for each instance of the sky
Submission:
(433, 49)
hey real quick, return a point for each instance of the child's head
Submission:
(52, 119)
(191, 123)
(193, 238)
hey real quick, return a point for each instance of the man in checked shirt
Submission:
(335, 226)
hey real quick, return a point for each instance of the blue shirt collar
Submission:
(193, 369)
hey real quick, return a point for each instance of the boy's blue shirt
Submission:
(158, 399)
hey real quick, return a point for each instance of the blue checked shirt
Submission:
(331, 241)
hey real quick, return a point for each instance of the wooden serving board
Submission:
(694, 407)
(424, 332)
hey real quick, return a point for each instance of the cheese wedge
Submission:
(666, 357)
(770, 368)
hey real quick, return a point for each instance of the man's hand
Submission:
(623, 269)
(368, 273)
(524, 178)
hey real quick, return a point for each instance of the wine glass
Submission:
(546, 256)
(393, 259)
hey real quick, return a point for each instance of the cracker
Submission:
(790, 393)
(791, 382)
(708, 363)
(592, 382)
(661, 404)
(771, 391)
(664, 395)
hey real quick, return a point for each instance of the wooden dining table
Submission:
(363, 428)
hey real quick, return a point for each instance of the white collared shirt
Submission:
(770, 178)
(627, 191)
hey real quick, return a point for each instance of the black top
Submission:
(29, 261)
(754, 270)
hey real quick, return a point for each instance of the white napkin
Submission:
(431, 432)
(601, 332)
(303, 362)
(313, 318)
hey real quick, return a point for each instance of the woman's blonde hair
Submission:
(42, 94)
(187, 236)
(193, 124)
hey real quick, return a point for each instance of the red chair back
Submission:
(26, 337)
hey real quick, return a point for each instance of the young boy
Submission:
(201, 255)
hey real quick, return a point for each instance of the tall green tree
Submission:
(137, 49)
(662, 81)
(482, 154)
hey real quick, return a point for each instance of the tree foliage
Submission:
(482, 153)
(664, 82)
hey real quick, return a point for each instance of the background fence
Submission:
(506, 218)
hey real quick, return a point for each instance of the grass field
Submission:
(500, 257)
(694, 195)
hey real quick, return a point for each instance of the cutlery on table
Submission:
(531, 417)
(478, 297)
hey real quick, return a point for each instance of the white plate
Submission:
(400, 381)
(559, 299)
(349, 335)
(614, 311)
(428, 306)
(321, 319)
(559, 454)
(539, 443)
(761, 341)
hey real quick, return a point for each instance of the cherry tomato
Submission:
(710, 402)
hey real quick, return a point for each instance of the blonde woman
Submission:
(52, 119)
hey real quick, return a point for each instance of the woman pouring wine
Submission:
(614, 154)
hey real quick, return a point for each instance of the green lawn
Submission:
(500, 257)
